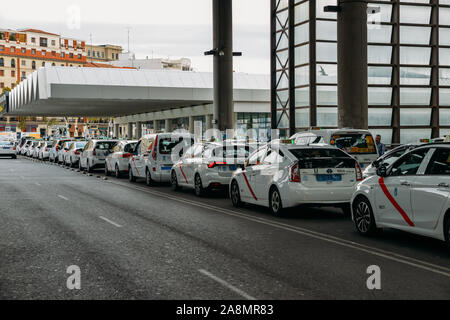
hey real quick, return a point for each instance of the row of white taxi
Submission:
(408, 189)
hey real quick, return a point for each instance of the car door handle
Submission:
(443, 185)
(405, 183)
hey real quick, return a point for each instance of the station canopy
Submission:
(106, 92)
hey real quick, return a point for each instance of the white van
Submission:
(155, 154)
(356, 142)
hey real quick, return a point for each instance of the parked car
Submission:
(36, 149)
(95, 153)
(7, 149)
(155, 154)
(117, 161)
(282, 175)
(56, 147)
(44, 150)
(411, 195)
(72, 157)
(207, 166)
(24, 148)
(32, 147)
(358, 143)
(63, 151)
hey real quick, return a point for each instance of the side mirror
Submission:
(382, 170)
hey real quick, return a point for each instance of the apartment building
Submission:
(103, 53)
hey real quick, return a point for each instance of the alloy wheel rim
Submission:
(362, 217)
(197, 184)
(174, 179)
(275, 201)
(235, 193)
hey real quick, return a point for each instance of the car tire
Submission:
(14, 157)
(174, 181)
(88, 168)
(347, 210)
(275, 203)
(447, 231)
(148, 178)
(363, 217)
(117, 172)
(235, 195)
(131, 177)
(198, 186)
(107, 174)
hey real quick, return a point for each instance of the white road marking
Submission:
(38, 184)
(111, 222)
(310, 233)
(62, 197)
(227, 285)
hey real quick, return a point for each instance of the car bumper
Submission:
(296, 195)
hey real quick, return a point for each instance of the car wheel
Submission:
(117, 172)
(174, 181)
(88, 168)
(235, 194)
(363, 217)
(347, 210)
(131, 177)
(14, 157)
(199, 190)
(148, 178)
(276, 206)
(447, 231)
(106, 170)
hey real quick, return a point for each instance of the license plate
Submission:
(328, 177)
(166, 168)
(6, 148)
(233, 168)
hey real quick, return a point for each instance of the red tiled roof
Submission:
(38, 31)
(103, 65)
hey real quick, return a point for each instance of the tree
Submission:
(5, 89)
(22, 124)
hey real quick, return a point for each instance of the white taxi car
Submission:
(117, 161)
(72, 157)
(410, 195)
(7, 149)
(44, 151)
(359, 143)
(283, 175)
(207, 166)
(95, 153)
(155, 154)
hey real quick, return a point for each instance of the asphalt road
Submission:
(131, 241)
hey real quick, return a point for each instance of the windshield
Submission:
(80, 145)
(167, 144)
(354, 142)
(129, 148)
(105, 145)
(322, 158)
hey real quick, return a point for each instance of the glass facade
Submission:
(408, 67)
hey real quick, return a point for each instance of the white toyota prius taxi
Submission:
(411, 195)
(282, 175)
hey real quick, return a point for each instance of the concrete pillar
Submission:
(223, 63)
(208, 121)
(167, 125)
(116, 130)
(156, 126)
(352, 64)
(191, 124)
(130, 130)
(138, 134)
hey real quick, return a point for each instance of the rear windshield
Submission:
(166, 145)
(354, 142)
(322, 158)
(81, 144)
(105, 145)
(130, 147)
(232, 152)
(5, 143)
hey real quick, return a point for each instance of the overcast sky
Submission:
(159, 28)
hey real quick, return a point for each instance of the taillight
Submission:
(76, 152)
(14, 148)
(359, 174)
(126, 155)
(46, 149)
(94, 153)
(295, 173)
(215, 163)
(155, 148)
